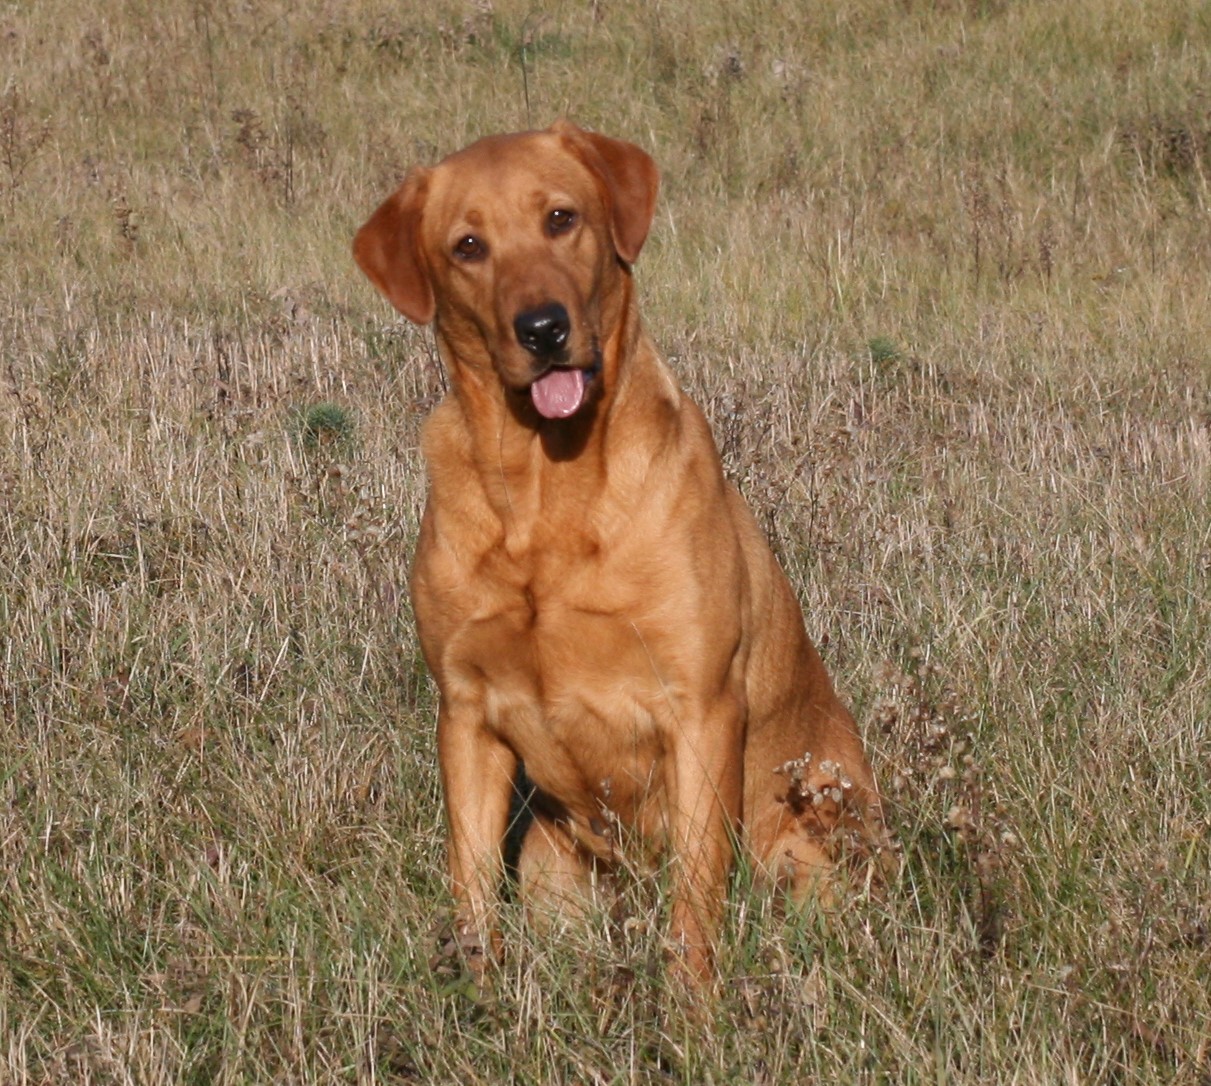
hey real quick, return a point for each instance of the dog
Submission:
(595, 601)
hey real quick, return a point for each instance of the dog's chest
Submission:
(556, 652)
(562, 649)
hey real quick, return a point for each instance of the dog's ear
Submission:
(630, 178)
(388, 249)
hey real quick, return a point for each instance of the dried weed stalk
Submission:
(936, 776)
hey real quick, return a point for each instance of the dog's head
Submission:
(518, 247)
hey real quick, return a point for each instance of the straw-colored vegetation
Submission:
(940, 273)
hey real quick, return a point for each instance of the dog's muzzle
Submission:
(561, 390)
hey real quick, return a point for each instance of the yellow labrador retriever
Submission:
(594, 599)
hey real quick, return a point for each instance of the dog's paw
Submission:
(461, 960)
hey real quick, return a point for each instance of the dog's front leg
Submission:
(477, 771)
(706, 785)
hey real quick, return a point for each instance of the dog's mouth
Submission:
(563, 390)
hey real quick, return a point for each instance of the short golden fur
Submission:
(593, 598)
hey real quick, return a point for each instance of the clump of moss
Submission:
(883, 351)
(325, 426)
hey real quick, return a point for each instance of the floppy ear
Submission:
(629, 176)
(388, 250)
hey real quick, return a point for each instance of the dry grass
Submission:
(939, 272)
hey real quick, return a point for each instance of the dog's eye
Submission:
(560, 221)
(469, 248)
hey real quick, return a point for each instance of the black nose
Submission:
(543, 331)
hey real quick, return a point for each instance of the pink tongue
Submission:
(558, 393)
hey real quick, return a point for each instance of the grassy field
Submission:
(940, 272)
